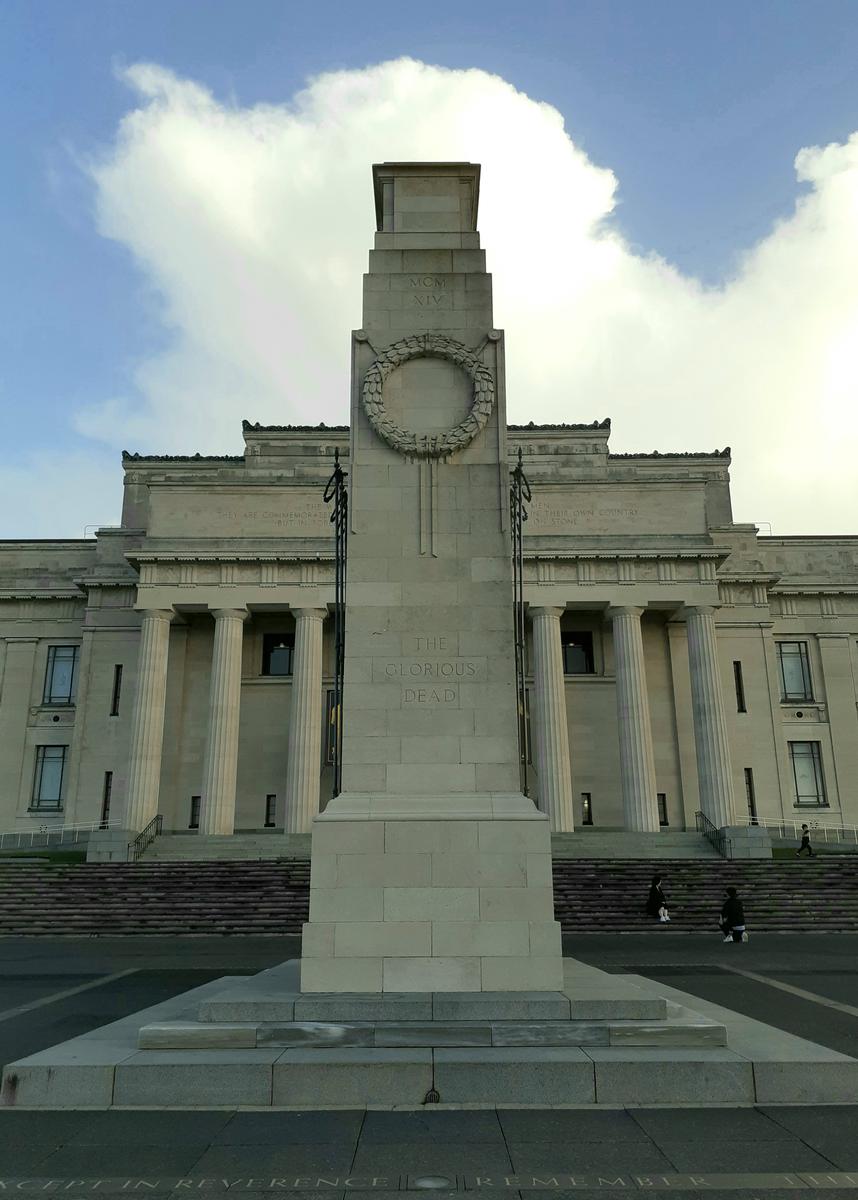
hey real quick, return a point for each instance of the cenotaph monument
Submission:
(430, 871)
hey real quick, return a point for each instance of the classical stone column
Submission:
(217, 805)
(304, 761)
(637, 764)
(714, 768)
(551, 735)
(147, 721)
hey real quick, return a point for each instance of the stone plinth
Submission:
(432, 894)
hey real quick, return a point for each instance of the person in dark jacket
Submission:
(656, 904)
(733, 918)
(805, 843)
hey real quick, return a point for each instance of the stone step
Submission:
(181, 1035)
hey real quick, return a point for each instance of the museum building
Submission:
(621, 552)
(676, 661)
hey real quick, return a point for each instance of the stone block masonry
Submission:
(431, 871)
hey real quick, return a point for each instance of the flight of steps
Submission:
(619, 844)
(238, 847)
(779, 896)
(271, 897)
(113, 899)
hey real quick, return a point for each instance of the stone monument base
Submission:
(431, 894)
(258, 1042)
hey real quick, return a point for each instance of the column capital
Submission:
(700, 610)
(224, 613)
(156, 614)
(545, 610)
(309, 614)
(623, 610)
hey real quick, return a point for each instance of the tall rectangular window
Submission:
(806, 758)
(117, 689)
(105, 799)
(586, 808)
(60, 675)
(794, 667)
(577, 652)
(751, 795)
(740, 687)
(49, 778)
(277, 652)
(194, 822)
(331, 725)
(270, 809)
(662, 808)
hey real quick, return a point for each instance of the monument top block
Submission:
(420, 197)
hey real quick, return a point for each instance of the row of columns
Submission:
(551, 741)
(637, 760)
(220, 761)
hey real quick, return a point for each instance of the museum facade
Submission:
(663, 638)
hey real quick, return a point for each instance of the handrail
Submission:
(836, 831)
(45, 833)
(715, 836)
(145, 838)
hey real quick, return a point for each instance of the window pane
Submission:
(795, 671)
(331, 728)
(662, 808)
(577, 653)
(48, 782)
(117, 690)
(740, 687)
(807, 770)
(60, 675)
(750, 794)
(277, 649)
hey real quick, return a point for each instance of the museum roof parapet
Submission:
(127, 456)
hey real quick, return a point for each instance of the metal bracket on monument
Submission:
(336, 494)
(520, 496)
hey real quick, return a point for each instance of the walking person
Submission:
(656, 904)
(805, 843)
(733, 918)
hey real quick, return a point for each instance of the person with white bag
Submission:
(732, 921)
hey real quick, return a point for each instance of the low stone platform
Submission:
(605, 1039)
(275, 996)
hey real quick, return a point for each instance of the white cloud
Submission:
(253, 225)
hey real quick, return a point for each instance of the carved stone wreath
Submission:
(428, 445)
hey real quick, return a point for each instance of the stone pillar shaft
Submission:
(147, 721)
(220, 766)
(637, 762)
(305, 723)
(551, 735)
(714, 766)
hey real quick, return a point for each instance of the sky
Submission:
(669, 207)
